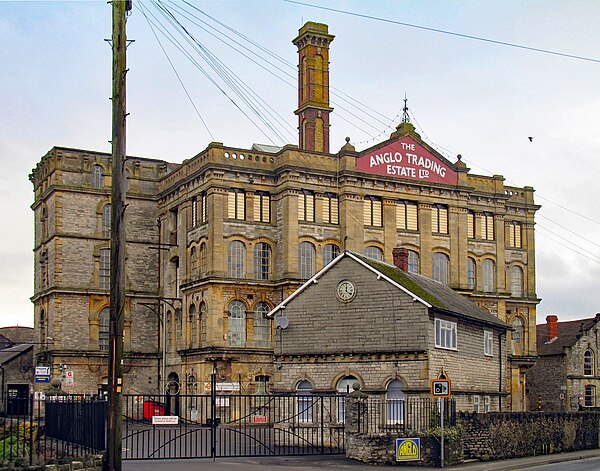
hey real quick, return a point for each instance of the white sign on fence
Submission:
(165, 420)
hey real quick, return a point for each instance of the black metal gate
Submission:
(226, 425)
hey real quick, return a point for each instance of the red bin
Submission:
(152, 408)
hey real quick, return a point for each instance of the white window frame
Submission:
(488, 343)
(476, 403)
(446, 335)
(486, 404)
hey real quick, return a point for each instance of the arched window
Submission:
(471, 273)
(97, 177)
(588, 363)
(517, 335)
(236, 259)
(203, 259)
(262, 326)
(203, 323)
(44, 222)
(178, 329)
(193, 260)
(374, 252)
(193, 323)
(590, 396)
(304, 401)
(440, 267)
(330, 251)
(516, 281)
(104, 269)
(262, 261)
(104, 329)
(106, 218)
(344, 386)
(413, 262)
(395, 402)
(488, 275)
(306, 260)
(236, 324)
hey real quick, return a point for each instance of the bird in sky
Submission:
(530, 139)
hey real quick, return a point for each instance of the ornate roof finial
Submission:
(405, 117)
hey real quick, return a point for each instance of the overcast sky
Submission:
(476, 98)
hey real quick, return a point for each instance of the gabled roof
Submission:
(568, 334)
(428, 292)
(10, 353)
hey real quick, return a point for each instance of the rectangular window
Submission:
(515, 231)
(470, 224)
(262, 206)
(590, 396)
(104, 269)
(488, 342)
(236, 204)
(204, 201)
(330, 209)
(486, 404)
(439, 219)
(476, 404)
(194, 211)
(485, 225)
(306, 206)
(373, 210)
(406, 215)
(445, 334)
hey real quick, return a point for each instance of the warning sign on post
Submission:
(440, 388)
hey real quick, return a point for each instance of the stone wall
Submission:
(498, 436)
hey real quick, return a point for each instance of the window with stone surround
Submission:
(485, 226)
(440, 267)
(471, 273)
(306, 206)
(588, 363)
(236, 204)
(236, 259)
(407, 215)
(517, 336)
(306, 260)
(439, 219)
(203, 258)
(330, 251)
(104, 329)
(193, 260)
(515, 234)
(516, 281)
(203, 323)
(304, 401)
(193, 323)
(488, 275)
(413, 261)
(262, 261)
(106, 218)
(590, 395)
(97, 177)
(394, 403)
(476, 402)
(470, 224)
(262, 326)
(373, 211)
(330, 208)
(374, 252)
(236, 324)
(104, 269)
(262, 206)
(445, 334)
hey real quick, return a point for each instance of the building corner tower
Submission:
(313, 86)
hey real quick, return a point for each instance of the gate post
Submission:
(356, 416)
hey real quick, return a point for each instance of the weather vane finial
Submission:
(405, 117)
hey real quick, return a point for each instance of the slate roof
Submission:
(430, 292)
(10, 353)
(440, 296)
(568, 334)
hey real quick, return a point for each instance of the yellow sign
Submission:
(408, 449)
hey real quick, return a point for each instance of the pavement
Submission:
(339, 462)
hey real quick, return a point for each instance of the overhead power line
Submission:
(451, 33)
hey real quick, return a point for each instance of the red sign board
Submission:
(259, 419)
(405, 158)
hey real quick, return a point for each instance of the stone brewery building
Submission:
(216, 242)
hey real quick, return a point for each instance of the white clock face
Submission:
(346, 290)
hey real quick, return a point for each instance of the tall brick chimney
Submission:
(400, 258)
(313, 86)
(552, 323)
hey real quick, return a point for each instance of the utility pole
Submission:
(117, 253)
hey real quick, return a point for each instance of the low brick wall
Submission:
(497, 436)
(90, 463)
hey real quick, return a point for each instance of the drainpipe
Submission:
(500, 372)
(2, 394)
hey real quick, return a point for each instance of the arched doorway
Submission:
(173, 390)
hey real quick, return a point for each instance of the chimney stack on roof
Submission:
(400, 258)
(552, 323)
